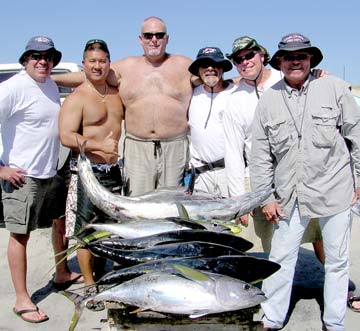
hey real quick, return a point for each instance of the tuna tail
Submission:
(79, 302)
(81, 148)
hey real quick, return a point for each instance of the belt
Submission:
(219, 164)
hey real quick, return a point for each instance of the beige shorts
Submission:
(153, 164)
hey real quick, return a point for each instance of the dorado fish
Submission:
(247, 268)
(152, 207)
(188, 292)
(129, 257)
(177, 236)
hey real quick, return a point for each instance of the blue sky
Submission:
(192, 24)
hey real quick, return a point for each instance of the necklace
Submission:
(102, 96)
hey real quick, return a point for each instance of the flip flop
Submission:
(20, 313)
(350, 302)
(65, 285)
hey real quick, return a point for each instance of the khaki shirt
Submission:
(298, 145)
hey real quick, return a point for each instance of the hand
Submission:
(356, 196)
(272, 212)
(317, 73)
(243, 220)
(13, 175)
(110, 145)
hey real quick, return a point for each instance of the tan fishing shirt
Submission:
(298, 145)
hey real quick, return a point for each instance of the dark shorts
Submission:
(56, 199)
(86, 211)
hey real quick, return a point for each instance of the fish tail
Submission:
(79, 302)
(81, 148)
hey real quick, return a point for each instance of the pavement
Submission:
(304, 313)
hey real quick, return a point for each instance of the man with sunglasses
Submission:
(29, 108)
(206, 121)
(155, 89)
(298, 144)
(250, 59)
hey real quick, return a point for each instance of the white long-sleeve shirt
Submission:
(238, 118)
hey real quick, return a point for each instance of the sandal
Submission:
(350, 302)
(20, 313)
(91, 304)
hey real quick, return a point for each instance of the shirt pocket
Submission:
(325, 130)
(279, 136)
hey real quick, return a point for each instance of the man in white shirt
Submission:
(29, 108)
(250, 59)
(206, 120)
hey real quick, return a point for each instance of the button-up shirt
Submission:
(298, 145)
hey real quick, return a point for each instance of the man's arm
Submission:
(71, 79)
(74, 79)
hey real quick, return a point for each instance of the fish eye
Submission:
(247, 287)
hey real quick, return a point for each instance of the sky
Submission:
(332, 26)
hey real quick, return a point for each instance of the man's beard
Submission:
(211, 81)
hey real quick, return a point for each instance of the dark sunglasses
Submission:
(295, 57)
(44, 56)
(207, 64)
(150, 35)
(241, 59)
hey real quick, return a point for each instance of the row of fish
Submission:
(194, 278)
(171, 263)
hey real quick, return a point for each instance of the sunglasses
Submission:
(247, 56)
(207, 64)
(296, 57)
(42, 56)
(150, 35)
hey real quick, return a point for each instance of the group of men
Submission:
(294, 141)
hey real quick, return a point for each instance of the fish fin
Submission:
(182, 211)
(67, 252)
(233, 228)
(199, 313)
(96, 236)
(256, 281)
(139, 310)
(78, 301)
(190, 273)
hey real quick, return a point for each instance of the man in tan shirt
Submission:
(92, 113)
(155, 89)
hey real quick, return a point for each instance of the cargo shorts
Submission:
(23, 206)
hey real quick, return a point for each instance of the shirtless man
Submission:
(92, 113)
(155, 89)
